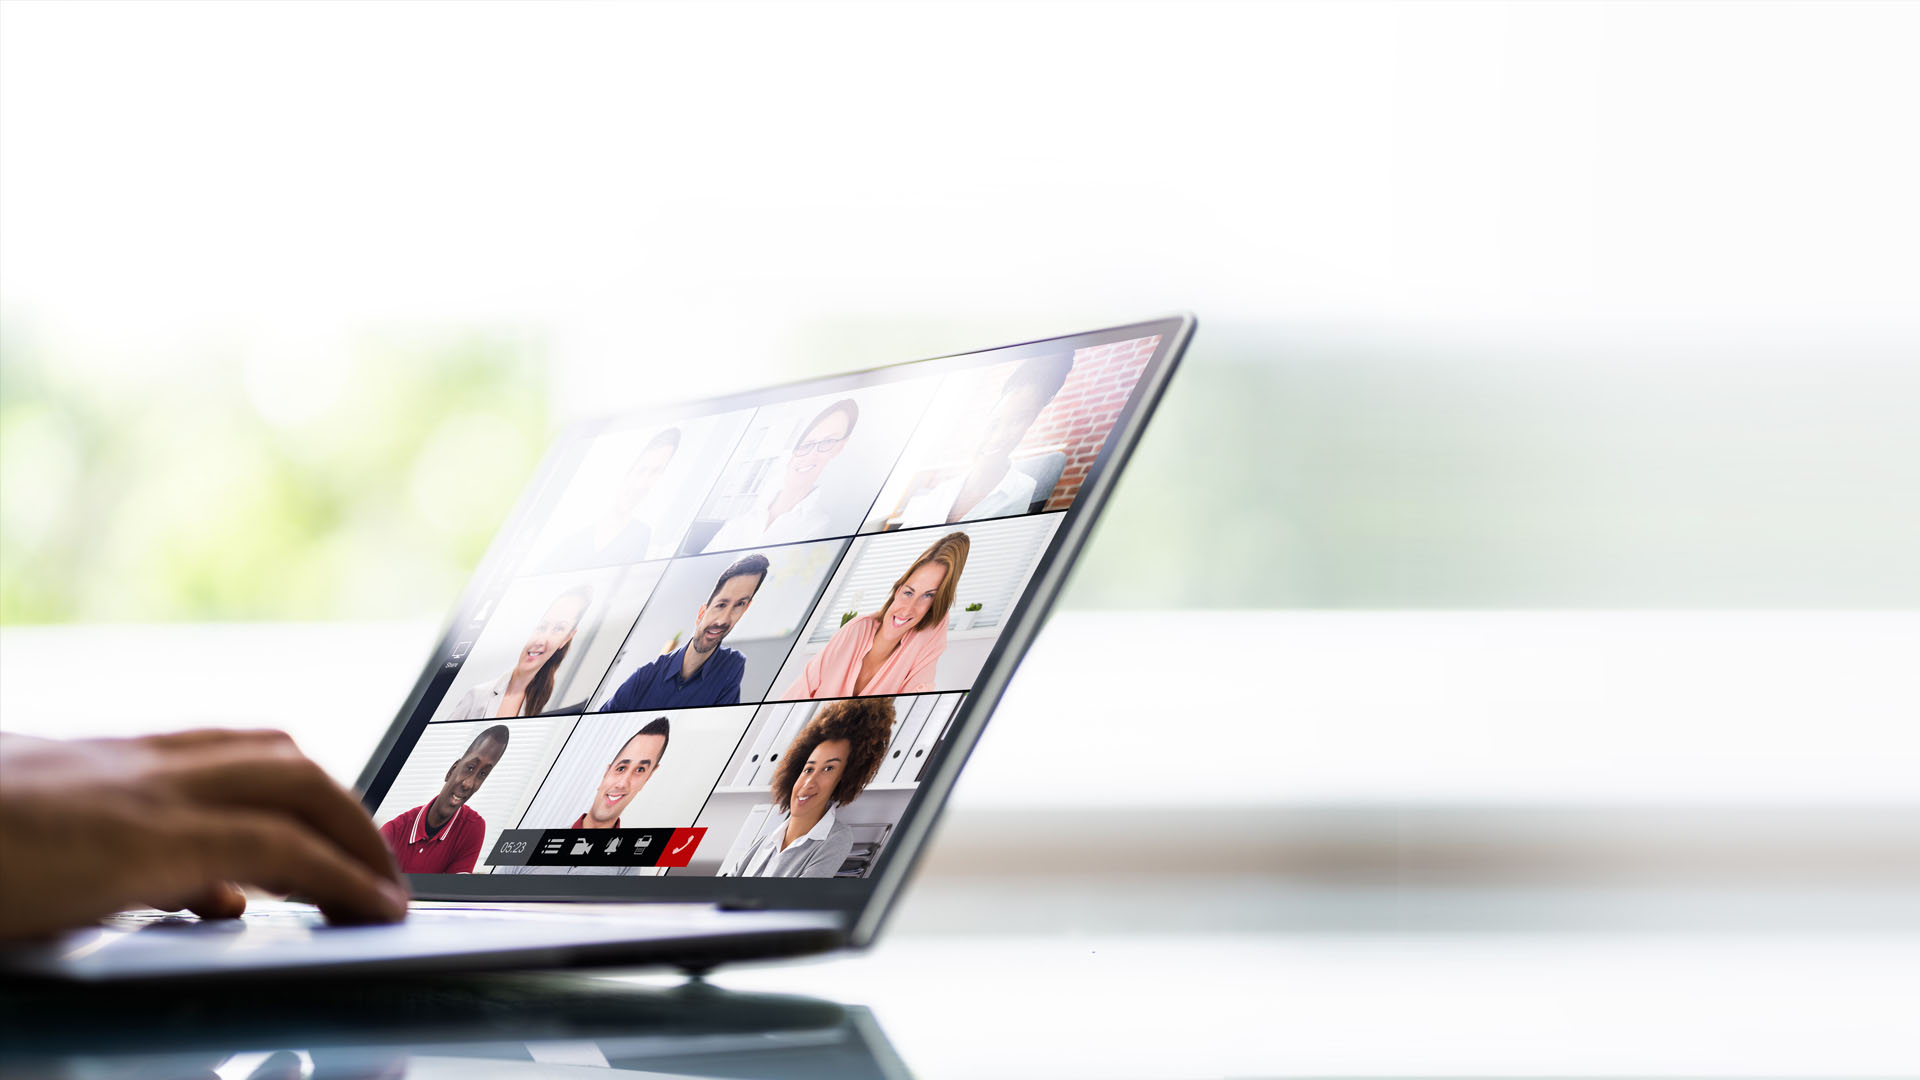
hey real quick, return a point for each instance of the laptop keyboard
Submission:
(286, 914)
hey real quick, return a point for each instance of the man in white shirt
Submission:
(626, 775)
(991, 487)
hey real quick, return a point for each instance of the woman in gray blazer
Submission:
(831, 761)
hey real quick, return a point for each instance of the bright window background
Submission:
(1526, 307)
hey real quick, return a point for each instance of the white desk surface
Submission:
(1174, 981)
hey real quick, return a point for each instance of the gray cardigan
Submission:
(819, 853)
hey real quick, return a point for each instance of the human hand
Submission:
(88, 828)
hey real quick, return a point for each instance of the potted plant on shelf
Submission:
(970, 615)
(848, 616)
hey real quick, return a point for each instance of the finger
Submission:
(202, 738)
(222, 900)
(294, 785)
(284, 856)
(213, 900)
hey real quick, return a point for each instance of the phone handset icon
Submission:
(679, 847)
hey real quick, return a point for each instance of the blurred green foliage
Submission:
(1324, 467)
(359, 480)
(1371, 468)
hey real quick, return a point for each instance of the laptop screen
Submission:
(732, 638)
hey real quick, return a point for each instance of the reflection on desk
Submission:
(522, 1026)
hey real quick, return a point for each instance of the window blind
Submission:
(1002, 556)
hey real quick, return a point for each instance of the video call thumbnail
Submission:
(816, 788)
(808, 469)
(634, 771)
(547, 641)
(463, 783)
(635, 492)
(717, 628)
(1014, 438)
(916, 611)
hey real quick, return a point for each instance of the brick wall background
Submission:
(1083, 412)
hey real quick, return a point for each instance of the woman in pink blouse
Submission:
(895, 650)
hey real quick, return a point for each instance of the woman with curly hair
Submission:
(830, 763)
(896, 650)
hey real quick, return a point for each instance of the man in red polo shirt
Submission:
(626, 774)
(444, 836)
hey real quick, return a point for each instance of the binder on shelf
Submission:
(749, 833)
(930, 736)
(906, 728)
(754, 751)
(797, 716)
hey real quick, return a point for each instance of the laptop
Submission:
(710, 686)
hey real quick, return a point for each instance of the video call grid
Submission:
(1112, 373)
(822, 596)
(1082, 427)
(914, 745)
(561, 487)
(814, 609)
(1117, 397)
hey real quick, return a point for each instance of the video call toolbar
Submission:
(664, 847)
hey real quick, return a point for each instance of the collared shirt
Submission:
(805, 520)
(481, 702)
(581, 823)
(1011, 496)
(658, 685)
(817, 854)
(453, 850)
(912, 668)
(629, 545)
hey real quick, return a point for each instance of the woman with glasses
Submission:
(791, 509)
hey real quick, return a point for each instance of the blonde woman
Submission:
(897, 649)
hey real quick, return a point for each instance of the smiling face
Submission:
(813, 788)
(640, 479)
(718, 616)
(550, 634)
(817, 449)
(464, 779)
(626, 774)
(1009, 420)
(912, 600)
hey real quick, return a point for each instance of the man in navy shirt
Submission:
(701, 672)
